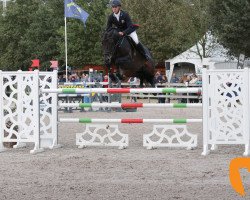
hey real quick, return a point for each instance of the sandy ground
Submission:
(109, 173)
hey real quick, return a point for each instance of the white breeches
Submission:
(134, 36)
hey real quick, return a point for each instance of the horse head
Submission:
(109, 41)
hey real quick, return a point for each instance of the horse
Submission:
(121, 52)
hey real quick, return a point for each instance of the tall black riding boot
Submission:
(143, 51)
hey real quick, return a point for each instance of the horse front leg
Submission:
(141, 82)
(152, 82)
(112, 77)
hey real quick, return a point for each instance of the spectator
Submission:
(87, 78)
(194, 79)
(133, 82)
(164, 79)
(159, 80)
(106, 80)
(174, 79)
(72, 78)
(99, 77)
(77, 79)
(158, 77)
(62, 79)
(199, 81)
(83, 77)
(184, 79)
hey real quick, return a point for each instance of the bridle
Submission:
(111, 54)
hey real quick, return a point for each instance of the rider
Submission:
(122, 21)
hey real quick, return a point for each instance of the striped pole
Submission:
(128, 121)
(95, 83)
(85, 83)
(74, 95)
(122, 90)
(131, 105)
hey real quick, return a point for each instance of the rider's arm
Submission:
(130, 28)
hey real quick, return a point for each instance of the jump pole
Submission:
(128, 121)
(121, 90)
(131, 105)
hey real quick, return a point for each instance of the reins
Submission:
(118, 44)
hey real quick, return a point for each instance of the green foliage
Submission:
(12, 49)
(231, 24)
(35, 29)
(28, 31)
(41, 37)
(167, 27)
(84, 43)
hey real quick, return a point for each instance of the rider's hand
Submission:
(121, 33)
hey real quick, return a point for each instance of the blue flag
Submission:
(71, 9)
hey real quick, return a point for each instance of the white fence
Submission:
(225, 108)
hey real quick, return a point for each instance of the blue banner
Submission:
(71, 9)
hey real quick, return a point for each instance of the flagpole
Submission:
(66, 49)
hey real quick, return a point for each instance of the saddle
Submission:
(126, 59)
(131, 42)
(142, 50)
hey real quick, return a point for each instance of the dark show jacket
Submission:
(124, 24)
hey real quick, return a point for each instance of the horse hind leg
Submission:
(152, 82)
(149, 80)
(148, 72)
(141, 82)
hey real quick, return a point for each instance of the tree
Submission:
(167, 27)
(28, 31)
(84, 43)
(231, 25)
(35, 29)
(207, 44)
(41, 37)
(13, 27)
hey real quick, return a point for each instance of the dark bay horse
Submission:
(120, 51)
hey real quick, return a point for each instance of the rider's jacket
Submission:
(124, 24)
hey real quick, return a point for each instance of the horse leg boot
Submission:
(143, 51)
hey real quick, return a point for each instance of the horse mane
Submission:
(107, 31)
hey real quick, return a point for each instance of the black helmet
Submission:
(114, 3)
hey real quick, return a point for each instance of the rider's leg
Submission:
(134, 36)
(143, 51)
(139, 46)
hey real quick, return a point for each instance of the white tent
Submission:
(213, 50)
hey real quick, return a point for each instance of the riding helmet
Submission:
(114, 3)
